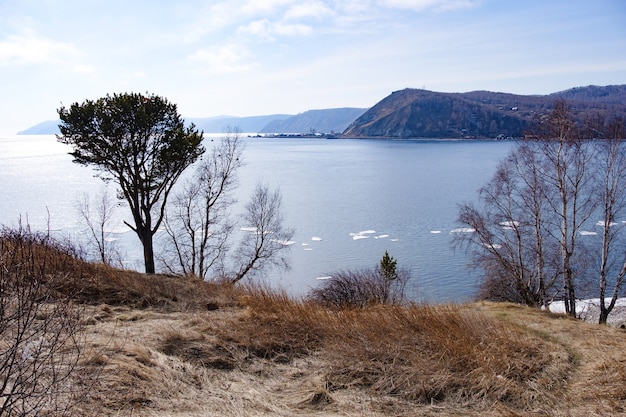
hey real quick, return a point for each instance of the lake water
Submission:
(404, 194)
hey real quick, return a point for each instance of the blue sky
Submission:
(257, 57)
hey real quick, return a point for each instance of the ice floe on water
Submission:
(381, 236)
(492, 246)
(362, 234)
(324, 278)
(601, 223)
(435, 232)
(587, 233)
(248, 229)
(316, 239)
(509, 224)
(284, 242)
(463, 230)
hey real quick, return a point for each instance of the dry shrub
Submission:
(361, 288)
(94, 284)
(417, 353)
(40, 333)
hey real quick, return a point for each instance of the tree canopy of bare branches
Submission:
(533, 222)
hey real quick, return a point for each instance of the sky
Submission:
(261, 57)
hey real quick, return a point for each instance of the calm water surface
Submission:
(404, 194)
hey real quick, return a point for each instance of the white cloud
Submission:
(315, 9)
(31, 49)
(258, 28)
(83, 69)
(266, 30)
(224, 59)
(439, 5)
(292, 30)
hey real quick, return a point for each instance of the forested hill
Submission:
(413, 113)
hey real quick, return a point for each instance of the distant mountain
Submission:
(49, 127)
(252, 124)
(413, 113)
(324, 121)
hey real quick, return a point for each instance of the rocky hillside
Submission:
(413, 113)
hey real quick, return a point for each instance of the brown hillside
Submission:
(253, 352)
(413, 113)
(173, 346)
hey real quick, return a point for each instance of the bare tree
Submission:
(197, 222)
(566, 170)
(612, 163)
(509, 232)
(98, 221)
(264, 244)
(532, 213)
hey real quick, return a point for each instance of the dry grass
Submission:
(175, 346)
(423, 354)
(272, 355)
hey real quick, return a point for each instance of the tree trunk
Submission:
(148, 250)
(604, 313)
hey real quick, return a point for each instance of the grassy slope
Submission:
(176, 347)
(172, 346)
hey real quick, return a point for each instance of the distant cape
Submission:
(414, 113)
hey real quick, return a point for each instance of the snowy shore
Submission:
(589, 310)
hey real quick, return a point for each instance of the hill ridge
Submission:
(419, 113)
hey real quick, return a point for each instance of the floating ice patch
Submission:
(248, 229)
(492, 246)
(305, 244)
(601, 223)
(323, 278)
(381, 236)
(435, 232)
(509, 224)
(316, 239)
(307, 249)
(363, 232)
(393, 240)
(463, 230)
(587, 233)
(284, 242)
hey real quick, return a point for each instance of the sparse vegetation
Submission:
(40, 342)
(384, 284)
(174, 346)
